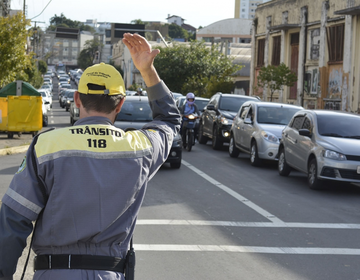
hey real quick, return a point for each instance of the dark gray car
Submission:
(135, 113)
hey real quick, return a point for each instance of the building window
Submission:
(243, 10)
(336, 42)
(315, 43)
(275, 60)
(261, 53)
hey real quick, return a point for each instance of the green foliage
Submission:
(13, 59)
(62, 21)
(87, 55)
(31, 74)
(117, 67)
(42, 66)
(134, 87)
(137, 21)
(195, 67)
(275, 78)
(177, 32)
(85, 59)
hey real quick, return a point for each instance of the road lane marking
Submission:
(245, 224)
(234, 194)
(247, 249)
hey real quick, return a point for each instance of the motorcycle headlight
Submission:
(191, 117)
(333, 155)
(226, 121)
(269, 137)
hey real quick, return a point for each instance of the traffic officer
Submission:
(84, 184)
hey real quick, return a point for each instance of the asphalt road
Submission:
(220, 218)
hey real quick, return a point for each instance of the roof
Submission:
(27, 89)
(230, 26)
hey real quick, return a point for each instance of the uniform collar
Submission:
(94, 120)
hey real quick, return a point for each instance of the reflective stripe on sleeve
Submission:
(23, 201)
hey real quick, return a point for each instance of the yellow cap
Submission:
(101, 79)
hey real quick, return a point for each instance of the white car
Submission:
(46, 96)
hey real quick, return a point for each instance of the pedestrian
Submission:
(84, 184)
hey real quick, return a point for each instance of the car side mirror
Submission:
(305, 132)
(248, 121)
(211, 107)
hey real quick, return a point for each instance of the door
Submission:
(291, 138)
(247, 129)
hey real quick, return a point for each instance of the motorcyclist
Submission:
(139, 92)
(188, 108)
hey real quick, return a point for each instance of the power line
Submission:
(42, 10)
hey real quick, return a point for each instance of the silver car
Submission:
(257, 128)
(323, 144)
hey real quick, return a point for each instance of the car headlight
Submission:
(269, 137)
(226, 121)
(333, 155)
(68, 101)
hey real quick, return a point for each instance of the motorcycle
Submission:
(188, 136)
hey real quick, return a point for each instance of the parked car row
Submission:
(323, 144)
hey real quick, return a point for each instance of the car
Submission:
(69, 98)
(45, 118)
(74, 113)
(63, 86)
(130, 92)
(65, 95)
(47, 96)
(60, 72)
(257, 127)
(77, 78)
(64, 78)
(179, 101)
(135, 113)
(47, 87)
(324, 145)
(216, 119)
(176, 95)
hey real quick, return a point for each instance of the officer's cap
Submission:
(101, 79)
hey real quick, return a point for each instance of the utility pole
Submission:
(35, 36)
(24, 8)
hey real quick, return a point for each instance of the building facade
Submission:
(245, 9)
(4, 8)
(318, 41)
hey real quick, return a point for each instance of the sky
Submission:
(194, 12)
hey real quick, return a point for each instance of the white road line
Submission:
(246, 224)
(247, 249)
(234, 194)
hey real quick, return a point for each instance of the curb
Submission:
(14, 150)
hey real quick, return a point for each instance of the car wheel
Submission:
(283, 168)
(313, 181)
(10, 135)
(233, 151)
(45, 121)
(202, 139)
(175, 165)
(254, 156)
(216, 142)
(67, 109)
(72, 121)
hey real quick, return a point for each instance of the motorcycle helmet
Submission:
(190, 95)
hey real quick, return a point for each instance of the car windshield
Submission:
(201, 104)
(43, 94)
(135, 111)
(66, 86)
(232, 104)
(275, 115)
(337, 125)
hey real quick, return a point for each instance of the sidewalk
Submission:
(15, 145)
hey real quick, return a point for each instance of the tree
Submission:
(13, 58)
(275, 78)
(137, 21)
(195, 67)
(177, 32)
(62, 21)
(42, 66)
(31, 74)
(87, 55)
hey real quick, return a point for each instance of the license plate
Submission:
(358, 170)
